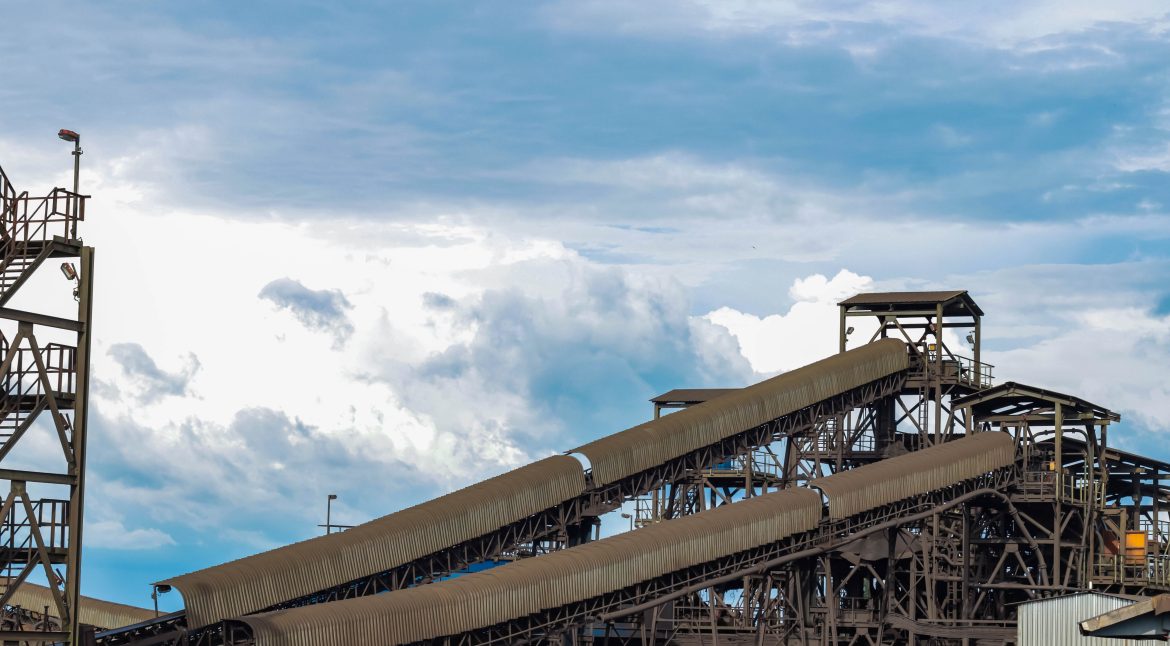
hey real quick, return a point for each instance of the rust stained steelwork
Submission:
(592, 570)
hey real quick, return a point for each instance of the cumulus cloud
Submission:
(467, 354)
(112, 534)
(148, 381)
(323, 309)
(1111, 356)
(805, 333)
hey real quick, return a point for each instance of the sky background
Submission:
(384, 250)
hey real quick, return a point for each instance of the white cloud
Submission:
(112, 534)
(1113, 357)
(1002, 24)
(806, 333)
(465, 352)
(1144, 158)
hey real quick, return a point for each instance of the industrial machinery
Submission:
(890, 493)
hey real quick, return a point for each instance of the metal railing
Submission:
(7, 195)
(957, 367)
(758, 462)
(51, 514)
(40, 219)
(1070, 487)
(23, 377)
(1150, 569)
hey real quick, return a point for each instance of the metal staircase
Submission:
(34, 230)
(42, 390)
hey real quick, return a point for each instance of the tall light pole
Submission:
(69, 135)
(328, 513)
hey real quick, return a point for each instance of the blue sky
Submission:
(386, 249)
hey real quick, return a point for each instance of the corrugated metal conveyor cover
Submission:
(857, 490)
(647, 445)
(532, 585)
(263, 580)
(95, 612)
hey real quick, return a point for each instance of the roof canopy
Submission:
(691, 396)
(1011, 398)
(954, 303)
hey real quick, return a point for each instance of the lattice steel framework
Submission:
(44, 383)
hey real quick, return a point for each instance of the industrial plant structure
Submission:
(890, 493)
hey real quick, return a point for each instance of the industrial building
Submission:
(890, 493)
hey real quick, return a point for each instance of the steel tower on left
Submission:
(44, 388)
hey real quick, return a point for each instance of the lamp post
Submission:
(328, 513)
(69, 135)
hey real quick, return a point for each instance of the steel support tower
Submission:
(44, 387)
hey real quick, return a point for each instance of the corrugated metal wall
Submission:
(1054, 621)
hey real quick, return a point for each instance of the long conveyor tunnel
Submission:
(549, 498)
(536, 599)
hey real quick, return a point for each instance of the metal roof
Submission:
(1123, 597)
(1145, 619)
(95, 612)
(1011, 394)
(955, 302)
(691, 395)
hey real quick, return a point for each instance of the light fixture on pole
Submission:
(70, 273)
(75, 139)
(328, 513)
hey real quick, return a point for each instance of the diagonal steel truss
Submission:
(44, 379)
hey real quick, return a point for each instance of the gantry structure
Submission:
(44, 383)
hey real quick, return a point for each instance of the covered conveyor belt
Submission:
(94, 612)
(455, 530)
(540, 587)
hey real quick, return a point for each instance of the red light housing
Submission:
(69, 135)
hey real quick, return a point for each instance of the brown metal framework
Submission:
(44, 379)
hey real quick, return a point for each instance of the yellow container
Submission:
(1135, 548)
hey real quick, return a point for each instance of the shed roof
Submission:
(1012, 396)
(691, 395)
(1123, 597)
(956, 302)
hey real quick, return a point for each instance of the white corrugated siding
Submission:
(1054, 621)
